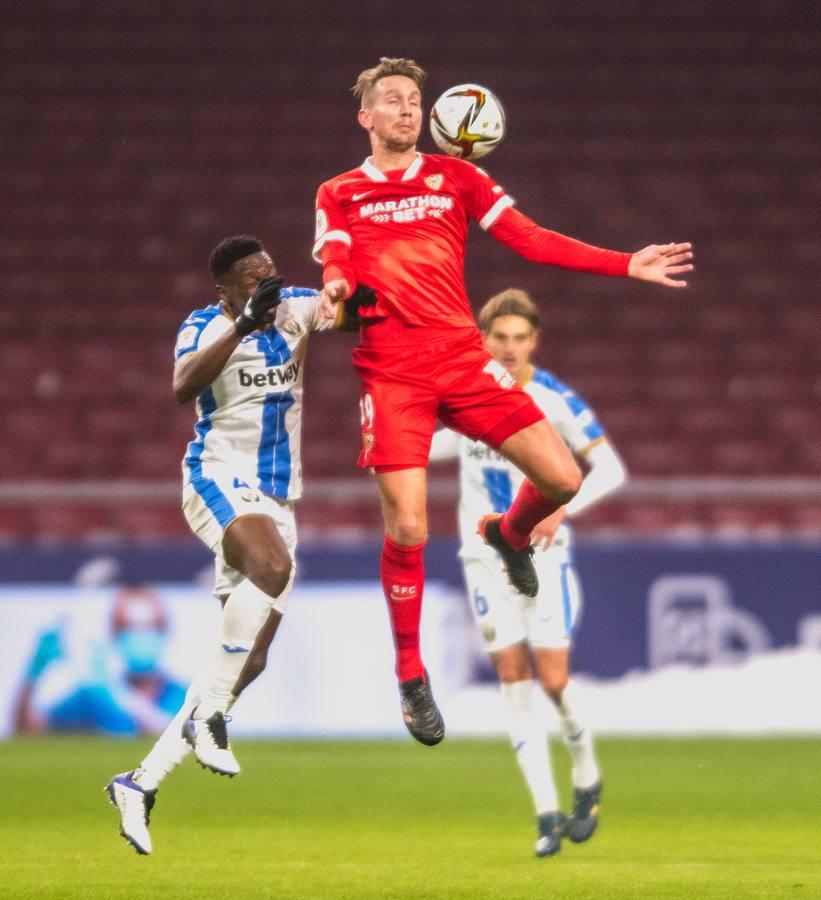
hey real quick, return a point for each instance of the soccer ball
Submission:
(467, 121)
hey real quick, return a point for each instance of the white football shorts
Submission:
(505, 617)
(210, 504)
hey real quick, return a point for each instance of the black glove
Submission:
(362, 296)
(265, 297)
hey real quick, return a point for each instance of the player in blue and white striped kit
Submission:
(522, 633)
(242, 359)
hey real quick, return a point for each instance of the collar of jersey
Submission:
(375, 175)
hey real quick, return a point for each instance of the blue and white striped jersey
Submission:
(488, 482)
(249, 420)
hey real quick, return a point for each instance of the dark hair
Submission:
(229, 250)
(387, 66)
(512, 302)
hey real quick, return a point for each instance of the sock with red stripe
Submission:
(403, 580)
(529, 507)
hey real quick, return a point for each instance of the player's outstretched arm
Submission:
(552, 248)
(337, 275)
(661, 263)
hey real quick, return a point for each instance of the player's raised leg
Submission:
(402, 569)
(134, 793)
(552, 666)
(553, 478)
(253, 546)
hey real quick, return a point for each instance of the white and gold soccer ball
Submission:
(467, 121)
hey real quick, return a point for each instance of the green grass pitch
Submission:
(372, 819)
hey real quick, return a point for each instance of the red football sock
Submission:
(529, 507)
(403, 580)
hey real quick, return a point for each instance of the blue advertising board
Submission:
(646, 605)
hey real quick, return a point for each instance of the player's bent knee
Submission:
(564, 487)
(271, 573)
(570, 483)
(554, 685)
(560, 484)
(409, 531)
(511, 669)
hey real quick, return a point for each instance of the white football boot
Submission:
(134, 805)
(208, 738)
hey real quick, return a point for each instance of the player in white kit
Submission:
(523, 634)
(242, 359)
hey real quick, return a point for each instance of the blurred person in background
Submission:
(121, 689)
(530, 637)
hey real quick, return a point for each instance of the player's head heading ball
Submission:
(363, 90)
(511, 302)
(391, 110)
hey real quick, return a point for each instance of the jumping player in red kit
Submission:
(395, 229)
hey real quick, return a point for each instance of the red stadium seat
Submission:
(806, 519)
(106, 233)
(16, 522)
(149, 522)
(153, 459)
(738, 456)
(66, 522)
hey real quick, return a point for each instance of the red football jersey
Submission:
(407, 230)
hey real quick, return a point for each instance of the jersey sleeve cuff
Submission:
(495, 211)
(341, 236)
(594, 443)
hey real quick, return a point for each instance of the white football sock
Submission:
(528, 734)
(170, 749)
(578, 740)
(244, 614)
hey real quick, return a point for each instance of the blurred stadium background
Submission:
(135, 136)
(134, 140)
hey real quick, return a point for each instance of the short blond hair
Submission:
(510, 302)
(363, 89)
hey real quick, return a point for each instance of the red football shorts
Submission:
(411, 376)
